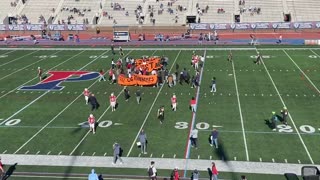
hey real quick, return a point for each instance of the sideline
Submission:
(161, 163)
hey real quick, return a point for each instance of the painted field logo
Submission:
(54, 79)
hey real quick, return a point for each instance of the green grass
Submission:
(61, 112)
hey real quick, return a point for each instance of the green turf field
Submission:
(49, 122)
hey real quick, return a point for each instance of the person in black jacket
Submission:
(94, 102)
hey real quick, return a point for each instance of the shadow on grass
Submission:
(222, 153)
(9, 172)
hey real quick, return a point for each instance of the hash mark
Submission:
(198, 156)
(235, 158)
(37, 152)
(139, 155)
(104, 154)
(174, 156)
(273, 160)
(82, 154)
(162, 155)
(299, 161)
(4, 151)
(210, 157)
(285, 160)
(48, 152)
(260, 159)
(93, 153)
(151, 155)
(26, 152)
(60, 153)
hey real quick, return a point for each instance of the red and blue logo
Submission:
(55, 78)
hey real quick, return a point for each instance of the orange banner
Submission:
(137, 79)
(149, 64)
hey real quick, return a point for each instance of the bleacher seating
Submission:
(6, 9)
(212, 15)
(86, 10)
(33, 9)
(304, 10)
(158, 12)
(118, 14)
(270, 11)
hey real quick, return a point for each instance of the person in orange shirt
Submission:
(193, 104)
(92, 123)
(113, 102)
(174, 103)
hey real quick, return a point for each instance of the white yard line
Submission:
(315, 87)
(9, 52)
(85, 136)
(293, 123)
(26, 66)
(34, 51)
(240, 112)
(37, 77)
(153, 103)
(62, 110)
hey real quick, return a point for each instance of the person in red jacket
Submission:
(214, 172)
(175, 174)
(2, 172)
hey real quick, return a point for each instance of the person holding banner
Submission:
(113, 102)
(174, 102)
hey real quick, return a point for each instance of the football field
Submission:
(53, 122)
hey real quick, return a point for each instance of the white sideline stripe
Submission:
(145, 119)
(37, 77)
(164, 48)
(293, 123)
(162, 163)
(49, 177)
(27, 66)
(84, 137)
(34, 51)
(240, 112)
(60, 111)
(301, 71)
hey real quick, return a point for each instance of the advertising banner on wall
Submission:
(257, 25)
(39, 27)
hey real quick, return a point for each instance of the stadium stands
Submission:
(262, 11)
(156, 12)
(38, 11)
(218, 11)
(304, 10)
(6, 8)
(78, 12)
(122, 12)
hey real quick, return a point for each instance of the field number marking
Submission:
(313, 56)
(281, 128)
(102, 57)
(102, 124)
(10, 122)
(264, 57)
(303, 128)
